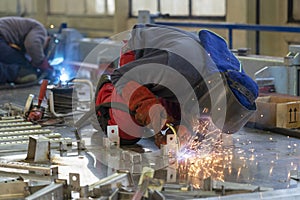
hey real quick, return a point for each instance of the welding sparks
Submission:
(64, 77)
(204, 156)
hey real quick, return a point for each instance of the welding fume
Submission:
(168, 81)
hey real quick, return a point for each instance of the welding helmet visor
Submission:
(230, 100)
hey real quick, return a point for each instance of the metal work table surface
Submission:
(251, 156)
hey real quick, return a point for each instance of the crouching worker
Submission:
(22, 42)
(168, 79)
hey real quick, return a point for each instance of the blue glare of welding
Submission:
(64, 77)
(56, 61)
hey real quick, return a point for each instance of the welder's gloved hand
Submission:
(45, 66)
(145, 106)
(51, 75)
(48, 71)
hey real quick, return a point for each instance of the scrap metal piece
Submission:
(146, 173)
(157, 195)
(3, 112)
(113, 134)
(63, 146)
(106, 142)
(171, 175)
(74, 182)
(38, 149)
(172, 148)
(116, 179)
(295, 174)
(114, 195)
(196, 194)
(13, 109)
(37, 168)
(132, 157)
(28, 104)
(13, 189)
(52, 191)
(28, 175)
(207, 184)
(142, 190)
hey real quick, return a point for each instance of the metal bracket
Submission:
(38, 149)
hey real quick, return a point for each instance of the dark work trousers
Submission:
(10, 61)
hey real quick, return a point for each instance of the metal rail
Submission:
(230, 27)
(38, 168)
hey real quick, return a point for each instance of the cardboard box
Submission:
(277, 111)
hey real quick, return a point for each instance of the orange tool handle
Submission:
(42, 92)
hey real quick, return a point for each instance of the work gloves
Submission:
(45, 65)
(49, 72)
(146, 108)
(148, 111)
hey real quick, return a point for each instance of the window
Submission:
(209, 9)
(293, 11)
(82, 7)
(17, 7)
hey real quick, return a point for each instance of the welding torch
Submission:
(182, 134)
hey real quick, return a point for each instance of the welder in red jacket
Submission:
(170, 76)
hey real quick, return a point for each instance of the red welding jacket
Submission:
(127, 130)
(126, 58)
(107, 93)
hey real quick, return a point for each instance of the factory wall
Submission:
(272, 12)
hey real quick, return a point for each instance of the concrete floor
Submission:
(251, 156)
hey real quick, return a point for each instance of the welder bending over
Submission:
(22, 44)
(171, 76)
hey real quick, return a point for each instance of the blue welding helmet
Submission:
(229, 100)
(231, 93)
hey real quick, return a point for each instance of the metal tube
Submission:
(10, 124)
(89, 83)
(42, 169)
(52, 191)
(20, 128)
(25, 132)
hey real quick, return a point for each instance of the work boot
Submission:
(26, 74)
(26, 79)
